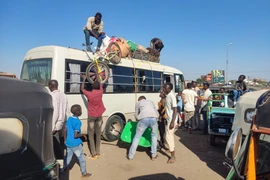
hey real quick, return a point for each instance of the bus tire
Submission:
(113, 128)
(113, 48)
(104, 68)
(212, 139)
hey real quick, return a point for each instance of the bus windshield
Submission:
(37, 70)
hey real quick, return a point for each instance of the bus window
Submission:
(145, 80)
(179, 82)
(122, 78)
(37, 70)
(108, 86)
(72, 76)
(167, 78)
(158, 81)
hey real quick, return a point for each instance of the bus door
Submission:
(179, 82)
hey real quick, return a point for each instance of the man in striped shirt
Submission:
(60, 108)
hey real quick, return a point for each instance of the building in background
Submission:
(207, 78)
(8, 74)
(218, 77)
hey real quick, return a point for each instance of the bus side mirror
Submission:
(233, 148)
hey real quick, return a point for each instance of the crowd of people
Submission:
(166, 119)
(192, 102)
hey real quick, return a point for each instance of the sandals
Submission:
(154, 158)
(95, 157)
(86, 176)
(170, 161)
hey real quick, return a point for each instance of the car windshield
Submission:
(37, 70)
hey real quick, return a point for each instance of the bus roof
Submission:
(78, 54)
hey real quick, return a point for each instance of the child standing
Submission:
(73, 141)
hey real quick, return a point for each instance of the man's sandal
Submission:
(170, 161)
(93, 157)
(154, 158)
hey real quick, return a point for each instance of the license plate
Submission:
(222, 130)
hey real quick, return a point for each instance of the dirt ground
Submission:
(196, 159)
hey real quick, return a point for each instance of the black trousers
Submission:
(161, 129)
(58, 145)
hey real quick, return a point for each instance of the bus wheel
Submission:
(91, 72)
(113, 128)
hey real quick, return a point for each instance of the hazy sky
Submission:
(195, 33)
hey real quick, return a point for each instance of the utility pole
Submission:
(227, 62)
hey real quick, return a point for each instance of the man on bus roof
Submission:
(94, 27)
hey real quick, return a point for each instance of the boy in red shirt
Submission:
(95, 110)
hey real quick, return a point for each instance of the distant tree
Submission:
(199, 81)
(233, 81)
(261, 81)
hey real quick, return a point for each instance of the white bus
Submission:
(120, 92)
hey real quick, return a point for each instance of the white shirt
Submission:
(170, 105)
(197, 90)
(146, 109)
(91, 25)
(60, 108)
(189, 99)
(206, 95)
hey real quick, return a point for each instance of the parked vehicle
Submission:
(26, 144)
(7, 74)
(220, 117)
(128, 80)
(251, 159)
(245, 110)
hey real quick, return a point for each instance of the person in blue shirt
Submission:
(73, 140)
(179, 108)
(179, 102)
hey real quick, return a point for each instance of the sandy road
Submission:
(196, 159)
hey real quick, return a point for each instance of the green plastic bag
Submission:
(132, 45)
(129, 132)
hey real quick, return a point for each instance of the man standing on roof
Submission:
(94, 28)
